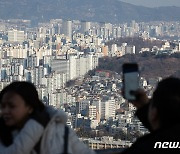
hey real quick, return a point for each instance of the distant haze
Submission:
(154, 3)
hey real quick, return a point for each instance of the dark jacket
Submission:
(146, 144)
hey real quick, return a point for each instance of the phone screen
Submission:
(131, 80)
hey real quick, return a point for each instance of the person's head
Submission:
(18, 101)
(164, 110)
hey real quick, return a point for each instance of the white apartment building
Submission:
(85, 26)
(67, 28)
(92, 112)
(107, 109)
(130, 49)
(16, 36)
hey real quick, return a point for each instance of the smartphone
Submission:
(130, 80)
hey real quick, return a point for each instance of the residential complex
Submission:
(57, 56)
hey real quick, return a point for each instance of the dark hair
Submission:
(27, 91)
(30, 95)
(166, 98)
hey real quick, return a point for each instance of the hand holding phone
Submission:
(130, 80)
(141, 98)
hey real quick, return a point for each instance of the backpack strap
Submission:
(66, 132)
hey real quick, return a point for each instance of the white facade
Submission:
(72, 67)
(16, 36)
(37, 75)
(108, 109)
(130, 49)
(113, 50)
(61, 66)
(85, 27)
(67, 28)
(92, 112)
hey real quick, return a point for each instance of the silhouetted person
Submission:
(161, 115)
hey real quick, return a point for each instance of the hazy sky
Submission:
(154, 3)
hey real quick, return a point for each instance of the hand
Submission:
(141, 98)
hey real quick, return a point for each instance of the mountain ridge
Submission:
(95, 10)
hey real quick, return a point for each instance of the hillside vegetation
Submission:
(150, 65)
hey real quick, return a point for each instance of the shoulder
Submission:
(25, 140)
(32, 130)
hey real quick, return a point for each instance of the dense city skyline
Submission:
(74, 53)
